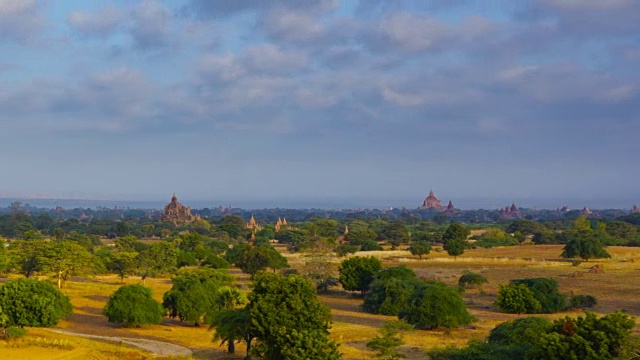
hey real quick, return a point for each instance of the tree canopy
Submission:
(357, 273)
(35, 303)
(133, 305)
(434, 305)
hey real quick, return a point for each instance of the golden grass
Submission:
(353, 328)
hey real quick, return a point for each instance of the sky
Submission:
(282, 100)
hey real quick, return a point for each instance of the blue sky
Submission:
(293, 100)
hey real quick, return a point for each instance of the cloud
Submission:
(20, 20)
(151, 25)
(105, 22)
(214, 9)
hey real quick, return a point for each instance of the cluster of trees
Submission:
(398, 291)
(281, 318)
(585, 337)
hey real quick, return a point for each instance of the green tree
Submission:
(357, 273)
(455, 239)
(233, 225)
(546, 291)
(122, 229)
(122, 263)
(133, 305)
(386, 344)
(65, 258)
(25, 256)
(233, 325)
(395, 234)
(192, 295)
(585, 244)
(359, 236)
(345, 249)
(252, 260)
(289, 320)
(28, 302)
(319, 267)
(420, 248)
(434, 305)
(470, 279)
(388, 296)
(621, 230)
(157, 259)
(585, 338)
(517, 299)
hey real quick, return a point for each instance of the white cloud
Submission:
(105, 22)
(20, 20)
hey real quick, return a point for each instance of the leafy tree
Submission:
(546, 291)
(133, 305)
(517, 299)
(525, 227)
(359, 236)
(522, 332)
(25, 256)
(370, 245)
(386, 345)
(588, 338)
(234, 253)
(122, 263)
(434, 305)
(28, 302)
(233, 325)
(455, 239)
(469, 279)
(582, 301)
(358, 272)
(319, 267)
(192, 295)
(622, 230)
(65, 258)
(233, 225)
(295, 237)
(585, 244)
(252, 260)
(388, 296)
(420, 248)
(157, 259)
(345, 249)
(395, 234)
(289, 320)
(122, 229)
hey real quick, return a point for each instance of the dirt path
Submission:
(153, 346)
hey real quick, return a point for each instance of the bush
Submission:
(545, 290)
(14, 332)
(521, 332)
(389, 296)
(344, 249)
(582, 302)
(28, 302)
(133, 305)
(370, 245)
(517, 299)
(433, 305)
(470, 279)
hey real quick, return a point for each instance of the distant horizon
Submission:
(463, 203)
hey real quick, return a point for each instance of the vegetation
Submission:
(34, 303)
(386, 344)
(357, 273)
(289, 321)
(133, 305)
(390, 291)
(517, 299)
(546, 291)
(434, 305)
(470, 279)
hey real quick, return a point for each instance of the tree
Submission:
(28, 302)
(388, 296)
(622, 230)
(192, 295)
(289, 320)
(359, 236)
(133, 305)
(122, 263)
(358, 272)
(585, 244)
(157, 259)
(546, 291)
(386, 346)
(395, 234)
(435, 305)
(588, 338)
(470, 279)
(252, 260)
(65, 258)
(233, 225)
(420, 248)
(517, 299)
(455, 239)
(319, 267)
(232, 325)
(345, 249)
(25, 256)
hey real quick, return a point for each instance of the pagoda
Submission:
(510, 212)
(431, 202)
(635, 209)
(177, 213)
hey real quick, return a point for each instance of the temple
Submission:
(510, 212)
(431, 202)
(253, 225)
(450, 210)
(281, 224)
(635, 209)
(177, 213)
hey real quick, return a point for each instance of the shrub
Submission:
(582, 302)
(545, 290)
(517, 299)
(14, 332)
(133, 305)
(370, 245)
(344, 249)
(434, 305)
(470, 279)
(388, 296)
(28, 302)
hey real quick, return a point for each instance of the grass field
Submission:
(615, 289)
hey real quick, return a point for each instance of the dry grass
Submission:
(352, 327)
